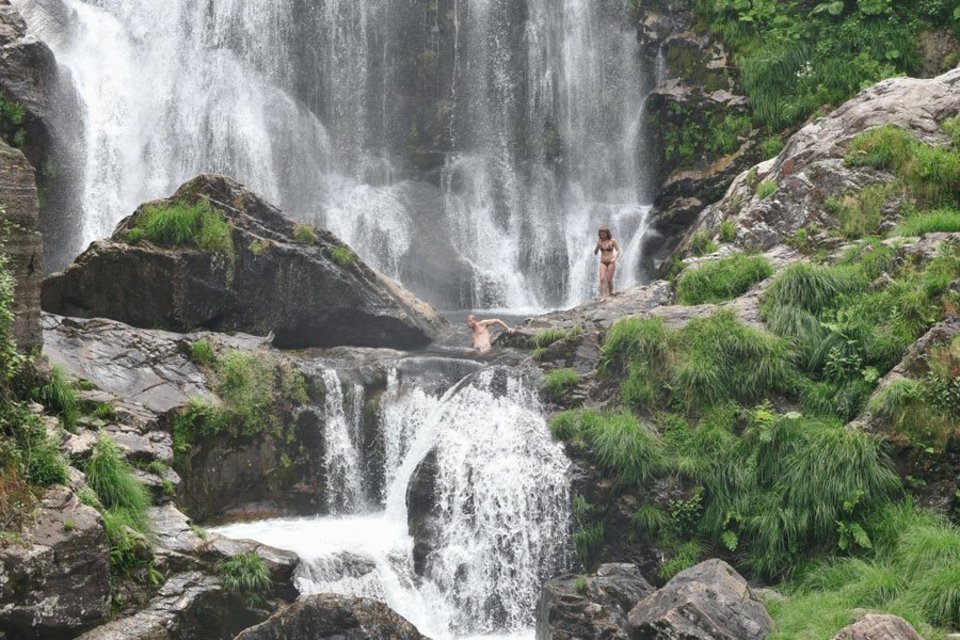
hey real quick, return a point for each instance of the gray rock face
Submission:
(590, 608)
(58, 582)
(810, 169)
(709, 601)
(879, 627)
(188, 606)
(334, 617)
(295, 289)
(18, 195)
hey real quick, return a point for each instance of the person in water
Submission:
(481, 332)
(609, 251)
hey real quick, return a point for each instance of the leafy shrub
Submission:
(685, 557)
(559, 381)
(723, 279)
(247, 576)
(305, 234)
(771, 146)
(766, 189)
(184, 224)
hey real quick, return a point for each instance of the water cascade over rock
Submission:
(500, 502)
(468, 147)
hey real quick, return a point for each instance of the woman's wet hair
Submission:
(605, 230)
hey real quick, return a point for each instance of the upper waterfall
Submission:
(469, 148)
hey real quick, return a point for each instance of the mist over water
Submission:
(469, 148)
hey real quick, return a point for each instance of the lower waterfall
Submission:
(500, 512)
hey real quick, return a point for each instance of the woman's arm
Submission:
(616, 251)
(596, 248)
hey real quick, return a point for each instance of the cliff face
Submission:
(23, 245)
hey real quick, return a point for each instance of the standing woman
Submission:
(609, 251)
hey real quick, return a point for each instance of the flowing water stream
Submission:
(501, 496)
(468, 147)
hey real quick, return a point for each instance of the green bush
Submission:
(630, 340)
(724, 279)
(685, 557)
(184, 224)
(771, 146)
(118, 490)
(247, 576)
(812, 288)
(305, 234)
(342, 255)
(559, 381)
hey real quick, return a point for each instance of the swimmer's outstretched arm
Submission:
(493, 321)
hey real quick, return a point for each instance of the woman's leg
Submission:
(611, 269)
(603, 281)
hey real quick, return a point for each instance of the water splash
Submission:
(502, 495)
(345, 491)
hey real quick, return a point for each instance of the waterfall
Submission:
(341, 437)
(502, 506)
(470, 148)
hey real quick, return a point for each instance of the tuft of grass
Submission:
(184, 224)
(247, 576)
(305, 234)
(342, 255)
(701, 244)
(258, 246)
(547, 337)
(118, 490)
(728, 232)
(887, 148)
(723, 279)
(59, 396)
(771, 146)
(811, 287)
(559, 381)
(685, 557)
(588, 542)
(630, 340)
(938, 221)
(202, 353)
(766, 189)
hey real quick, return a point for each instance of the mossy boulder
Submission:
(217, 256)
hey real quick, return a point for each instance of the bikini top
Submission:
(608, 249)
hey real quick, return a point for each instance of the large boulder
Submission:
(304, 286)
(879, 627)
(590, 607)
(810, 169)
(709, 601)
(24, 245)
(334, 617)
(55, 580)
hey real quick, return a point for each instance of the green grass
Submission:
(860, 216)
(685, 557)
(247, 576)
(724, 279)
(771, 146)
(547, 337)
(203, 353)
(812, 288)
(728, 232)
(941, 220)
(118, 490)
(558, 382)
(630, 340)
(701, 244)
(588, 541)
(305, 234)
(887, 148)
(183, 224)
(766, 189)
(951, 127)
(59, 396)
(342, 255)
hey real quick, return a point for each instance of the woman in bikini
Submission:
(609, 251)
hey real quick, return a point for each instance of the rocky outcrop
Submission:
(24, 245)
(878, 627)
(709, 601)
(55, 580)
(810, 169)
(334, 617)
(302, 286)
(590, 607)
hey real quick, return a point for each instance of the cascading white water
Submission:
(341, 437)
(526, 112)
(502, 495)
